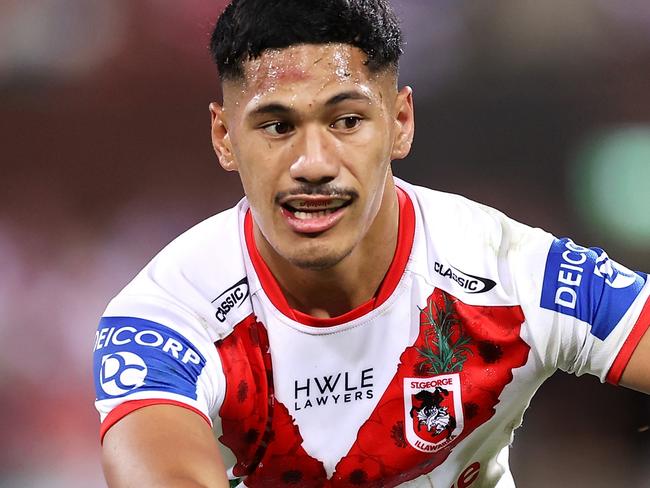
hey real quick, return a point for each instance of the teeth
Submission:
(311, 215)
(308, 205)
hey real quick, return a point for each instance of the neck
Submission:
(351, 282)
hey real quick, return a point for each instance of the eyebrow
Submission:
(272, 109)
(275, 108)
(347, 95)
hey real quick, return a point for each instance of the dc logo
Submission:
(615, 275)
(121, 372)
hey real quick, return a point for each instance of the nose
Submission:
(316, 161)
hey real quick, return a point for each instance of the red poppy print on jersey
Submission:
(245, 413)
(256, 428)
(447, 384)
(467, 350)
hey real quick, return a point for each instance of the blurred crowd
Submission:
(106, 156)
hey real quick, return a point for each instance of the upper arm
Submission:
(160, 446)
(586, 313)
(157, 387)
(637, 372)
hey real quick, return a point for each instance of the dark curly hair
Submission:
(248, 27)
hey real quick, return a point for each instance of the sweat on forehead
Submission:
(302, 62)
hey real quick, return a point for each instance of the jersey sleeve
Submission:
(149, 350)
(585, 312)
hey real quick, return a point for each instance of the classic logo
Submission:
(433, 411)
(231, 298)
(121, 372)
(468, 282)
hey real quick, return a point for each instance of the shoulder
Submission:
(181, 283)
(459, 218)
(472, 250)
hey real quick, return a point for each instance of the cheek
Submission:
(251, 165)
(257, 188)
(367, 156)
(375, 140)
(375, 160)
(260, 186)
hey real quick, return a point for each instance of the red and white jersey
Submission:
(421, 386)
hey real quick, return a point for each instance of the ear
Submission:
(221, 138)
(404, 123)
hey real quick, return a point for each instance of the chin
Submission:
(317, 259)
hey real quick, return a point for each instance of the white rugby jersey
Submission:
(421, 386)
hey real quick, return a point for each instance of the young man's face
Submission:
(312, 132)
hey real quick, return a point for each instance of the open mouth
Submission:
(313, 214)
(304, 209)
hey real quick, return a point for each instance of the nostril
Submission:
(320, 181)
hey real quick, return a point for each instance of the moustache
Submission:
(328, 191)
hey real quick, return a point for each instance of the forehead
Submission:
(303, 62)
(303, 68)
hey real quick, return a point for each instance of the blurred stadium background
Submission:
(539, 108)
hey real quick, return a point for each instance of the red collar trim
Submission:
(405, 235)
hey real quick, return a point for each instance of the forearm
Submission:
(162, 446)
(173, 482)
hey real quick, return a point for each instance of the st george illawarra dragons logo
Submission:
(433, 405)
(431, 414)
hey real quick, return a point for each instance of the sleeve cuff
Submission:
(126, 408)
(624, 355)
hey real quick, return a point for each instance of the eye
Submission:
(346, 123)
(277, 128)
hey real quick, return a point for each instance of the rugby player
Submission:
(338, 326)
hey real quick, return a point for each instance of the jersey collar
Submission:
(405, 236)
